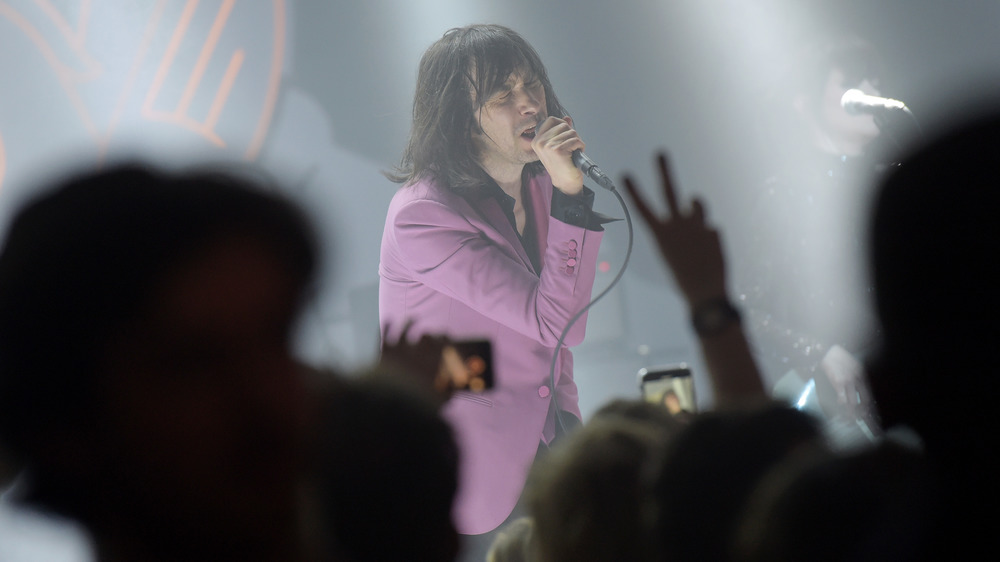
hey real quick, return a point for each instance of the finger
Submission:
(432, 341)
(698, 210)
(569, 121)
(406, 331)
(562, 134)
(567, 142)
(639, 202)
(553, 131)
(556, 136)
(669, 193)
(547, 124)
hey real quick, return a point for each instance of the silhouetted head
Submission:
(709, 471)
(805, 102)
(871, 504)
(145, 365)
(587, 495)
(387, 472)
(935, 249)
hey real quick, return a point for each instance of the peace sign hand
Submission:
(691, 248)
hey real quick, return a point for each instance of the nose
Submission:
(528, 102)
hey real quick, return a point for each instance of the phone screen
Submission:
(670, 386)
(475, 371)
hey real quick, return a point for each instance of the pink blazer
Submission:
(456, 266)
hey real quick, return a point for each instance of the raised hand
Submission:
(433, 363)
(428, 363)
(693, 251)
(691, 248)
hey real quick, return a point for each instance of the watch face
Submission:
(716, 317)
(712, 317)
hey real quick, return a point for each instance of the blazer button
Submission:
(572, 244)
(571, 262)
(571, 253)
(569, 270)
(543, 391)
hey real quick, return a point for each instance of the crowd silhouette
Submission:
(149, 393)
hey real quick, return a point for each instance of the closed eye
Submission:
(501, 97)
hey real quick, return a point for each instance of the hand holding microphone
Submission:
(580, 161)
(554, 142)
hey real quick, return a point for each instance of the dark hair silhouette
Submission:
(388, 472)
(935, 243)
(79, 262)
(710, 470)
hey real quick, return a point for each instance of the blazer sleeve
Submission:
(447, 253)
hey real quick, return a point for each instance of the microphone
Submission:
(591, 170)
(856, 102)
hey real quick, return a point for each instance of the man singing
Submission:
(492, 237)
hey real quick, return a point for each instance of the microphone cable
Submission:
(610, 186)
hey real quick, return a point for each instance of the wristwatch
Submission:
(712, 317)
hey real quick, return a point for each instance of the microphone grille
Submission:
(852, 101)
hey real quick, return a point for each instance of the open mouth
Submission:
(529, 134)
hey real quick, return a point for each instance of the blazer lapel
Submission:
(541, 208)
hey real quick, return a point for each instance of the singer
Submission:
(804, 296)
(492, 235)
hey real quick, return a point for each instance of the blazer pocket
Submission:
(473, 397)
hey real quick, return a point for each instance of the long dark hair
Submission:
(457, 75)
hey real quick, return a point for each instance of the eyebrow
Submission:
(502, 90)
(512, 81)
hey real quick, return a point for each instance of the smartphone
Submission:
(670, 386)
(474, 371)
